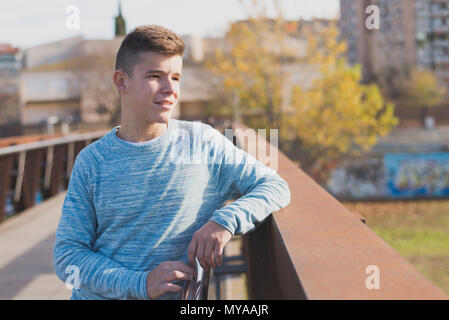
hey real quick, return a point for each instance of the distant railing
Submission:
(40, 168)
(317, 249)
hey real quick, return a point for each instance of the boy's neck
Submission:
(135, 133)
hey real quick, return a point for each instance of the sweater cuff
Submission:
(224, 223)
(141, 286)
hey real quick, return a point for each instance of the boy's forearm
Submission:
(269, 195)
(86, 269)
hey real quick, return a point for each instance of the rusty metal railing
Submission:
(317, 249)
(38, 167)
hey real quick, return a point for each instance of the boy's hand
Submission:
(158, 280)
(207, 245)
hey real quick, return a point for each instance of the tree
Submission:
(335, 117)
(409, 86)
(250, 71)
(296, 79)
(423, 90)
(393, 81)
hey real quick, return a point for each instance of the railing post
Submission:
(20, 174)
(31, 178)
(6, 164)
(48, 167)
(58, 170)
(70, 159)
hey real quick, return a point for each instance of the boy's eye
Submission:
(153, 76)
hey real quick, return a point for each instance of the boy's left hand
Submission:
(207, 245)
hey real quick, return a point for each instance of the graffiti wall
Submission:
(358, 179)
(417, 175)
(394, 176)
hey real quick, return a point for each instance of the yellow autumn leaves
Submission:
(296, 78)
(336, 115)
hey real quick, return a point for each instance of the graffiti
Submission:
(417, 175)
(358, 179)
(392, 176)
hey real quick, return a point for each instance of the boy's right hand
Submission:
(158, 280)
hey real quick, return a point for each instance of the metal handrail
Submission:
(198, 287)
(24, 163)
(50, 142)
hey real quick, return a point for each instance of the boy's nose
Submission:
(168, 87)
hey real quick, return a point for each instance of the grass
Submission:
(418, 230)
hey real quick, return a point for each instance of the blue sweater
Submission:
(130, 207)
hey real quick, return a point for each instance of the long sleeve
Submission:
(75, 238)
(259, 189)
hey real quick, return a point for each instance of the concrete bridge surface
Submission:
(26, 254)
(26, 257)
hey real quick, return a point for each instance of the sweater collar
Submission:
(116, 143)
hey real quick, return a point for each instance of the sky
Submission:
(27, 23)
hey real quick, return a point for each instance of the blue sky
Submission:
(26, 23)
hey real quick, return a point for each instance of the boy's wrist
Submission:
(146, 287)
(223, 223)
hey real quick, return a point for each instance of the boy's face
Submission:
(153, 89)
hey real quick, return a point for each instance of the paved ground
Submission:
(26, 246)
(26, 257)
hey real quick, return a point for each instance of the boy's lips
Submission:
(165, 104)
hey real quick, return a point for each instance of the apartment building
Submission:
(10, 64)
(432, 20)
(412, 32)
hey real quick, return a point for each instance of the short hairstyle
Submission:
(149, 38)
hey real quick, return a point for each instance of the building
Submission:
(10, 65)
(412, 32)
(53, 81)
(10, 60)
(358, 38)
(432, 21)
(72, 80)
(120, 23)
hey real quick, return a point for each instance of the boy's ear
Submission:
(118, 78)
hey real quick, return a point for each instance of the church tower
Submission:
(120, 24)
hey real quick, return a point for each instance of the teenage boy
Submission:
(140, 207)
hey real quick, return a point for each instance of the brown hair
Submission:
(144, 39)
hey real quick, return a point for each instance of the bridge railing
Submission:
(313, 249)
(317, 249)
(38, 169)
